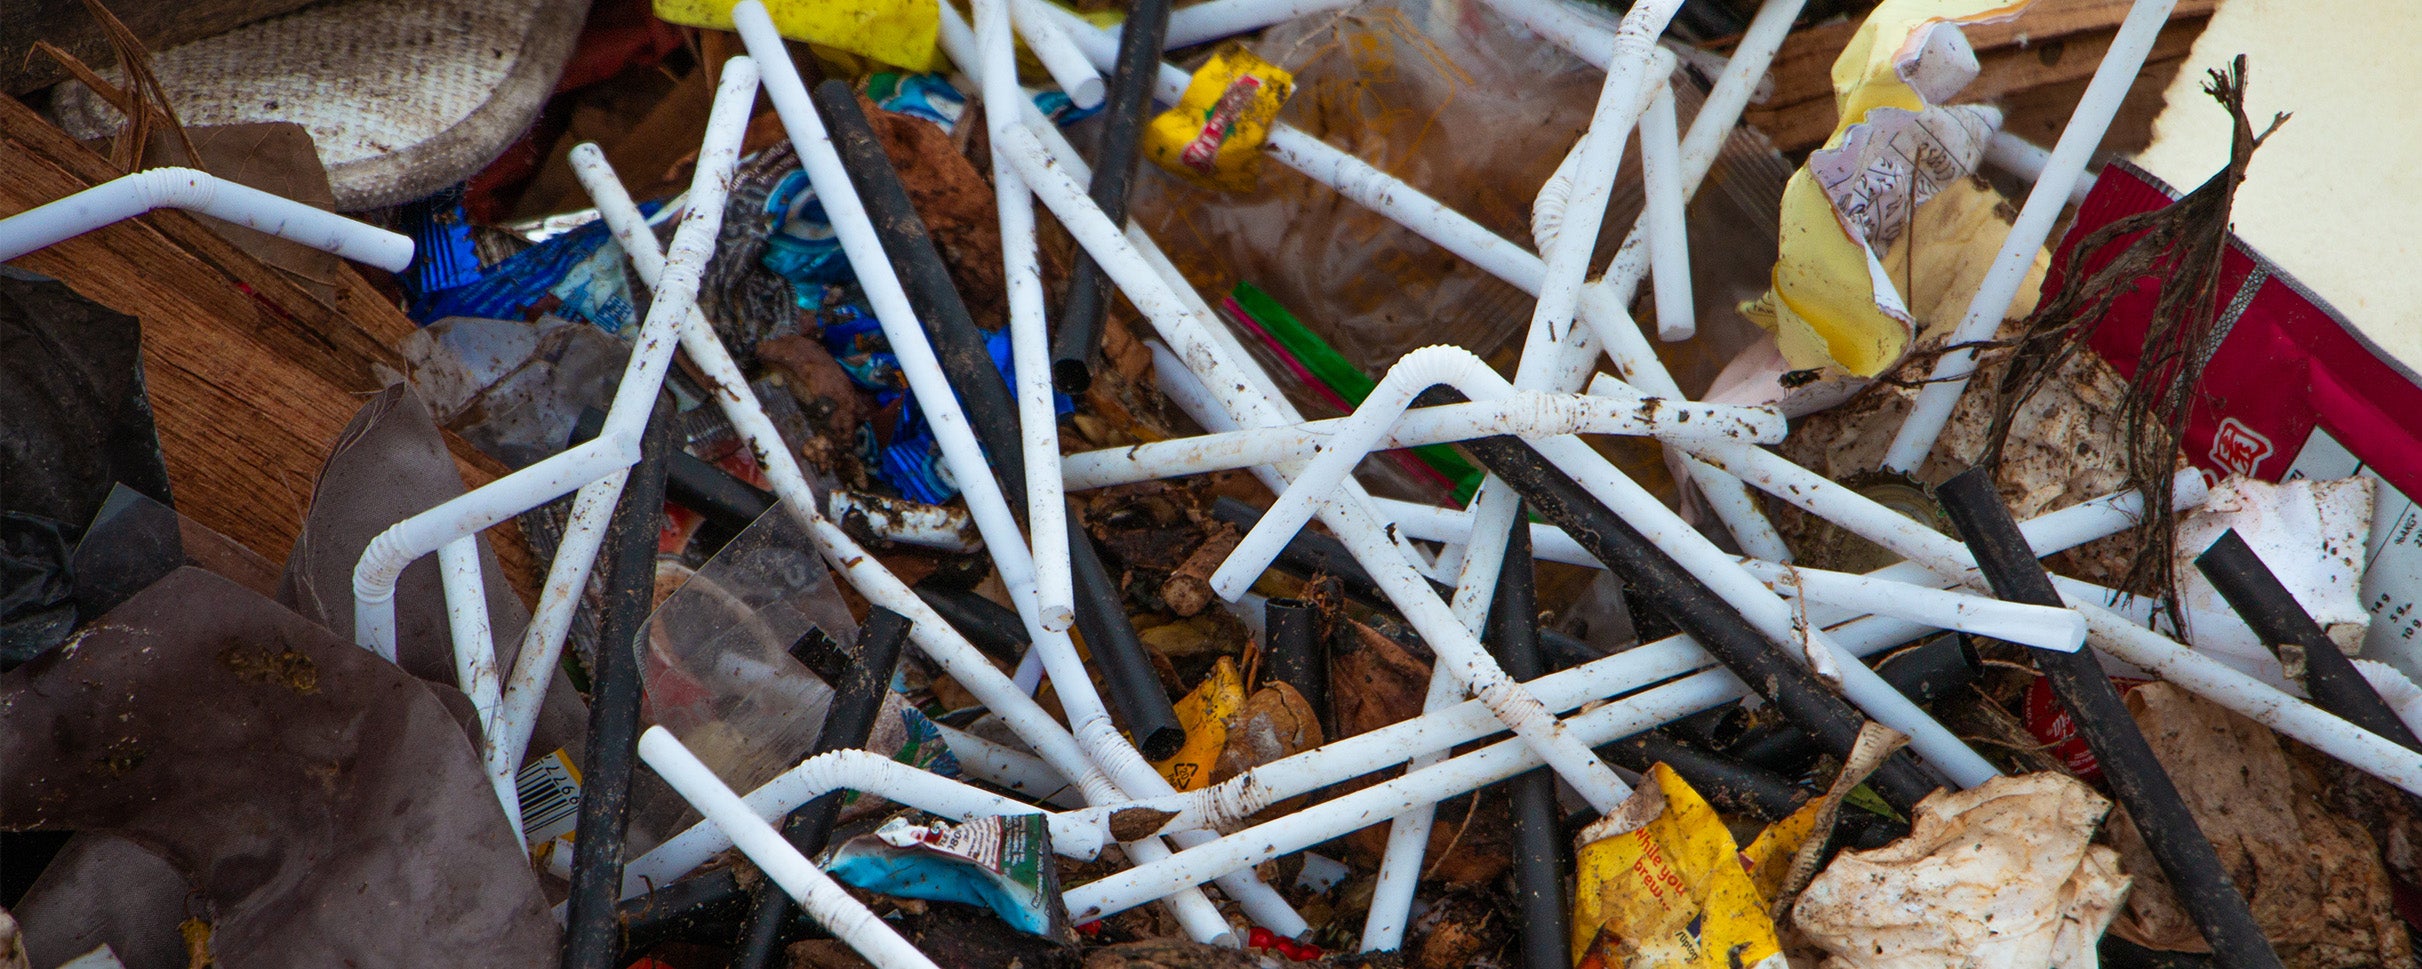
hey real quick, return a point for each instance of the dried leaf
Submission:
(2316, 883)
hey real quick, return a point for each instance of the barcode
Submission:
(549, 791)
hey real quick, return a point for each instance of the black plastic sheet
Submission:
(74, 421)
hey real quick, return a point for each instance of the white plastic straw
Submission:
(616, 446)
(2202, 675)
(1526, 414)
(1059, 54)
(1214, 19)
(2042, 627)
(817, 894)
(1030, 351)
(2027, 160)
(1668, 240)
(2059, 176)
(1008, 768)
(1409, 834)
(1583, 32)
(542, 640)
(474, 652)
(197, 191)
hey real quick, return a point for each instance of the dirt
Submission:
(956, 203)
(283, 667)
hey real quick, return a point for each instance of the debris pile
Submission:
(1397, 482)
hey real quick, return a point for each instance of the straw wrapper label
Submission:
(1831, 303)
(549, 791)
(1213, 136)
(1661, 884)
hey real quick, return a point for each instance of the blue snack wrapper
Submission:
(578, 275)
(1001, 863)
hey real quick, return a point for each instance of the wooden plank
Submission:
(251, 379)
(2056, 42)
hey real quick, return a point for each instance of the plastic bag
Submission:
(74, 421)
(297, 780)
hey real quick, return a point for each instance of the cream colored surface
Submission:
(2335, 195)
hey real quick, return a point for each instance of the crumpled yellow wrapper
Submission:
(1832, 303)
(1662, 885)
(897, 32)
(1204, 713)
(1212, 136)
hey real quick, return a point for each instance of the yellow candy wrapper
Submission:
(897, 32)
(1204, 713)
(1832, 304)
(1661, 885)
(1213, 136)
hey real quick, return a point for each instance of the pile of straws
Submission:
(1752, 623)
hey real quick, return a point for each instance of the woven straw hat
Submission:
(403, 97)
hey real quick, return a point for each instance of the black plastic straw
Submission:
(1311, 553)
(1539, 844)
(990, 626)
(722, 499)
(592, 936)
(2275, 615)
(1114, 159)
(857, 699)
(1762, 664)
(1923, 673)
(1136, 694)
(1728, 784)
(682, 909)
(2135, 776)
(1297, 655)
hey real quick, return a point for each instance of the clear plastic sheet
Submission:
(512, 388)
(719, 672)
(1475, 112)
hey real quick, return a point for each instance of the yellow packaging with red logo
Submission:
(1213, 136)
